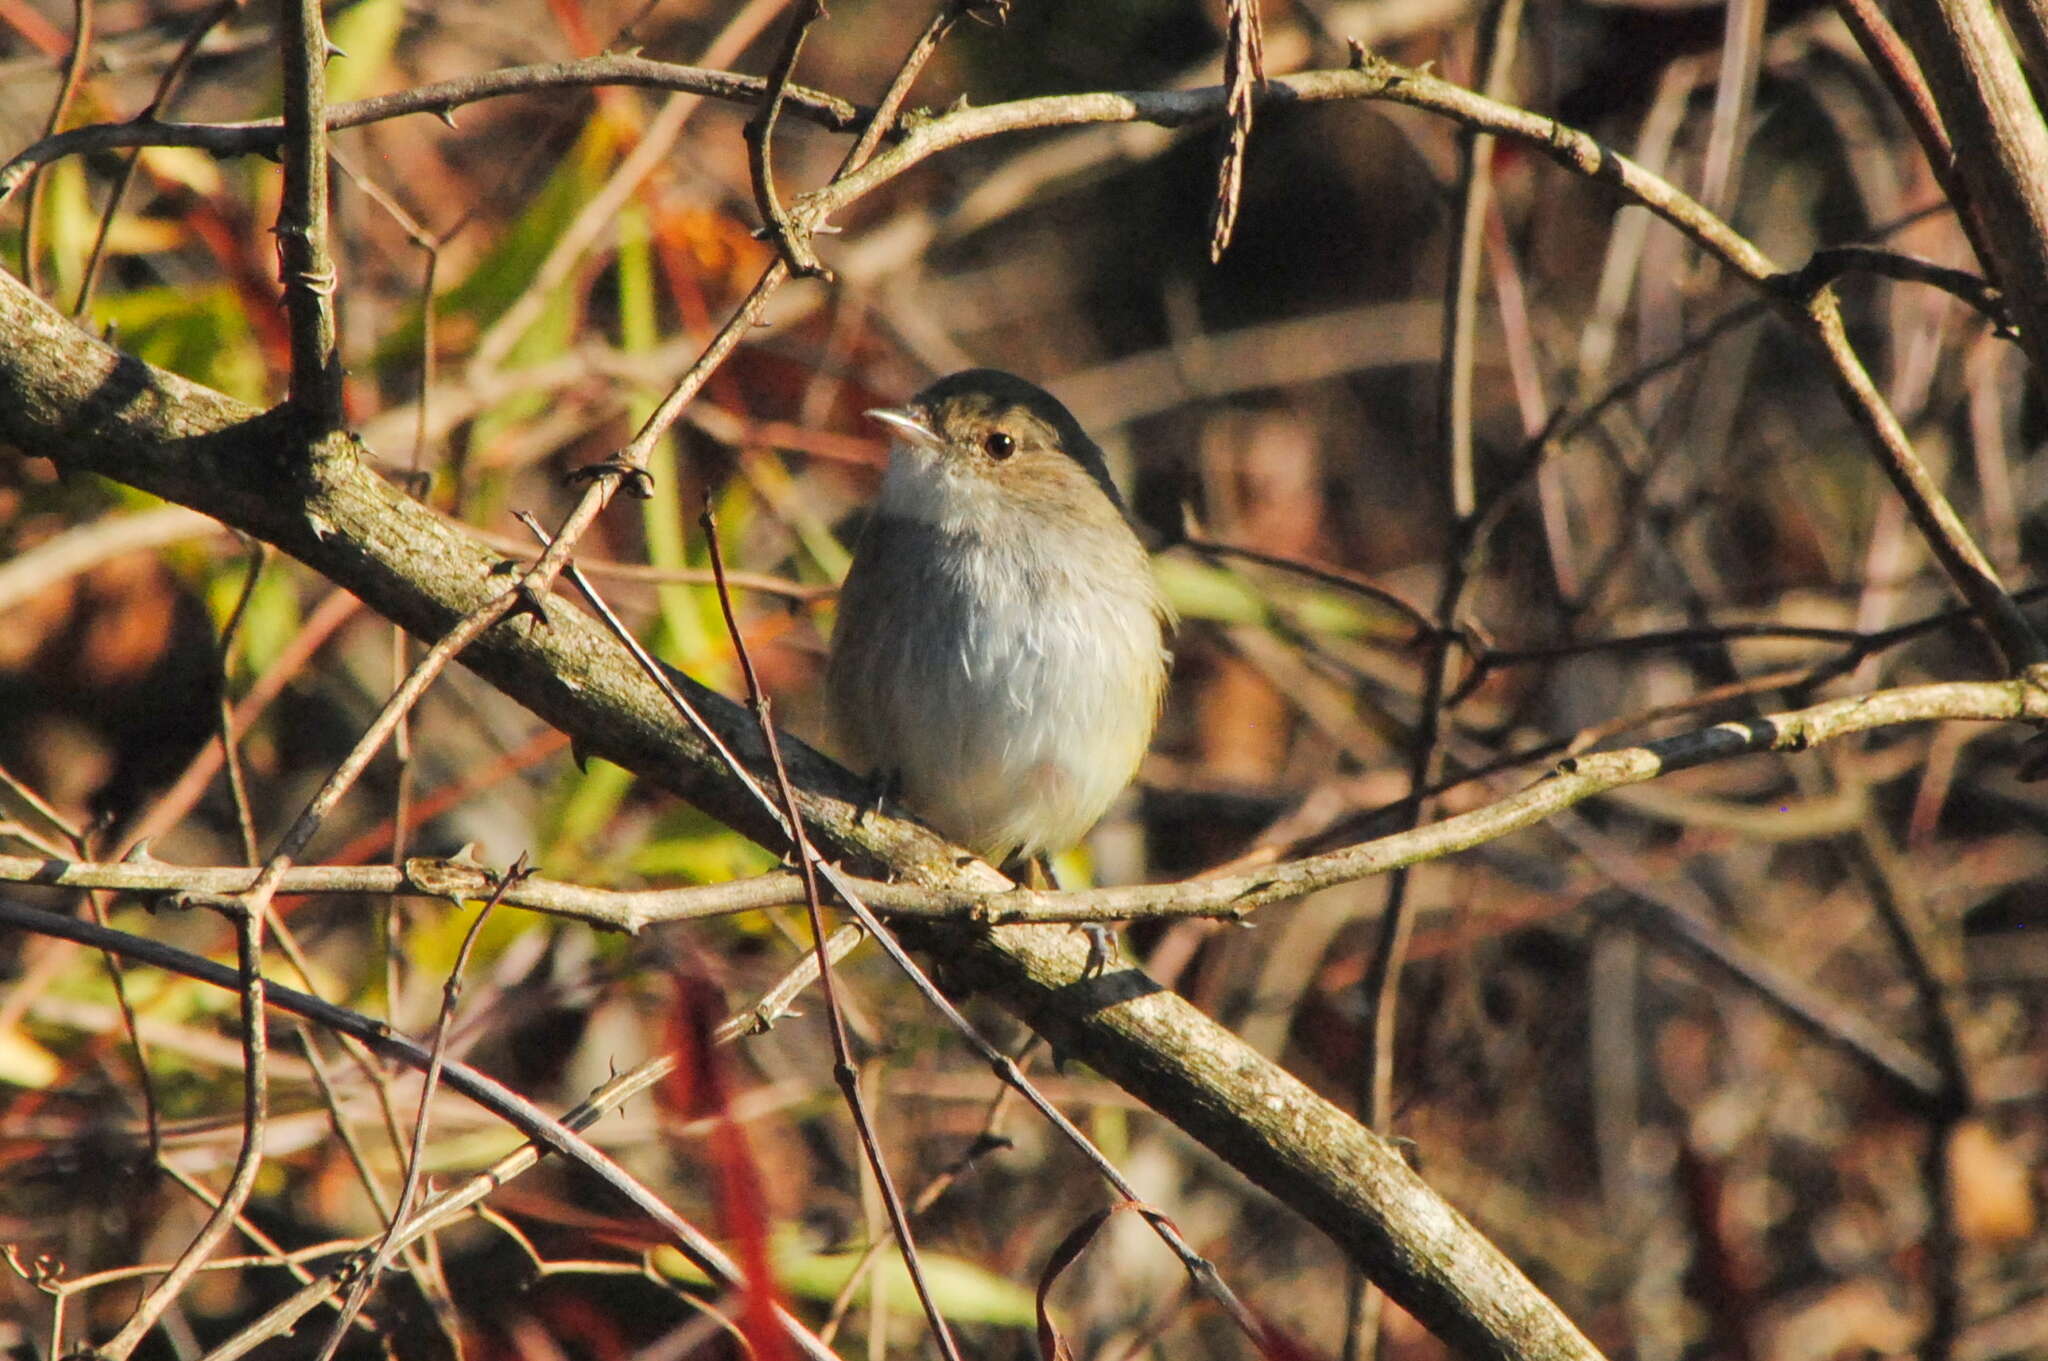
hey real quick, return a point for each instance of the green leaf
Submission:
(269, 623)
(588, 801)
(1198, 590)
(964, 1292)
(691, 846)
(198, 332)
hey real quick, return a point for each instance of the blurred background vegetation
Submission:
(1688, 1174)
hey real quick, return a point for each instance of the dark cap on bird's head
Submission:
(990, 418)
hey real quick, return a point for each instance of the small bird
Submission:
(1001, 646)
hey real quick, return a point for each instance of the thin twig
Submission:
(1931, 962)
(597, 217)
(987, 1140)
(1999, 144)
(67, 89)
(352, 1146)
(1980, 296)
(1229, 896)
(1887, 54)
(230, 751)
(793, 246)
(416, 1155)
(264, 136)
(1335, 577)
(321, 624)
(248, 918)
(1673, 915)
(494, 1096)
(166, 86)
(251, 907)
(1379, 988)
(843, 1070)
(447, 1205)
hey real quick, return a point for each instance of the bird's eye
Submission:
(999, 445)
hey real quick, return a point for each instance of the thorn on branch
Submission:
(525, 601)
(635, 481)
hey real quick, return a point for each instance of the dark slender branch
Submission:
(794, 246)
(166, 86)
(1887, 54)
(446, 1205)
(416, 1153)
(67, 89)
(1931, 961)
(1379, 989)
(1830, 263)
(529, 1119)
(843, 1071)
(265, 136)
(1335, 577)
(230, 751)
(1671, 916)
(249, 981)
(987, 1140)
(1230, 896)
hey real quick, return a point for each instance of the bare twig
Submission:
(67, 89)
(166, 86)
(1230, 896)
(1334, 577)
(416, 1155)
(987, 1140)
(264, 136)
(1887, 54)
(1835, 261)
(230, 751)
(250, 909)
(794, 247)
(1379, 989)
(248, 917)
(843, 1071)
(320, 626)
(529, 1119)
(597, 217)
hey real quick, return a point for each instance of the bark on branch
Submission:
(66, 397)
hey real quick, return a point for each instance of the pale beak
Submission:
(907, 426)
